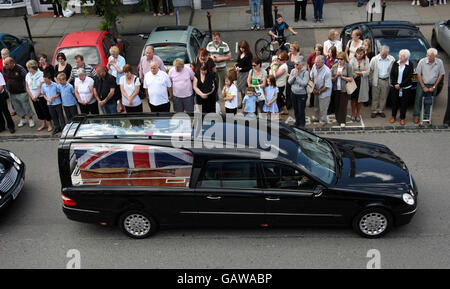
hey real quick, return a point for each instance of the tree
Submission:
(110, 10)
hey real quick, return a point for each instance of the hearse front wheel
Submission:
(373, 222)
(137, 224)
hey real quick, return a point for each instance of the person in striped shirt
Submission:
(220, 53)
(79, 63)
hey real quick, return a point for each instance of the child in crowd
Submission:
(249, 102)
(274, 65)
(277, 32)
(271, 94)
(68, 99)
(53, 98)
(230, 95)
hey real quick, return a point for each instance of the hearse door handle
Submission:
(210, 197)
(272, 199)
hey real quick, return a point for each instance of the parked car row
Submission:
(395, 34)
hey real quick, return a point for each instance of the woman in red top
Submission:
(331, 57)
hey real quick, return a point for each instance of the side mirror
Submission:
(143, 36)
(318, 191)
(348, 32)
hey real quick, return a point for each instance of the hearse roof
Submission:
(163, 128)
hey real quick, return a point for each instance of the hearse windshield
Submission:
(316, 155)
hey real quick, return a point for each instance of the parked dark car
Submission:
(130, 171)
(397, 35)
(20, 49)
(12, 177)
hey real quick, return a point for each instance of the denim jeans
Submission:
(418, 101)
(299, 104)
(318, 9)
(361, 1)
(109, 108)
(255, 7)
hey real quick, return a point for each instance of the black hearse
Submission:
(146, 171)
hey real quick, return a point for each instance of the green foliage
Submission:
(110, 10)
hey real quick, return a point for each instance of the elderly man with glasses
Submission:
(430, 71)
(380, 70)
(298, 80)
(321, 75)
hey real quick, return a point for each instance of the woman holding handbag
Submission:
(341, 73)
(360, 68)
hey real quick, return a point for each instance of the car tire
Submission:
(137, 224)
(434, 42)
(373, 222)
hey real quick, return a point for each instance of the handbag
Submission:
(141, 93)
(310, 87)
(350, 87)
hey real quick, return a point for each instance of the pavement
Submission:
(233, 19)
(336, 15)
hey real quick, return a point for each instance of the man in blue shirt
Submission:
(53, 97)
(249, 102)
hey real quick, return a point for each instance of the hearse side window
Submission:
(230, 175)
(279, 176)
(107, 164)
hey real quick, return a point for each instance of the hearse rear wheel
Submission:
(137, 224)
(373, 223)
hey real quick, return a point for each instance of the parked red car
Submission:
(92, 45)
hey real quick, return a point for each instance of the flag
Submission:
(99, 156)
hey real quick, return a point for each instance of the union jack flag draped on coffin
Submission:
(102, 156)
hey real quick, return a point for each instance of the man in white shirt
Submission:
(321, 75)
(430, 71)
(380, 70)
(158, 89)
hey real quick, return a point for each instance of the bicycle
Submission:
(262, 47)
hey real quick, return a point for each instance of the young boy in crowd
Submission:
(53, 97)
(249, 102)
(68, 98)
(277, 32)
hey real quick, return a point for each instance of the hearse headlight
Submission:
(407, 198)
(15, 158)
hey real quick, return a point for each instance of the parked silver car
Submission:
(441, 36)
(171, 42)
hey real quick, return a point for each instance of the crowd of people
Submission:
(329, 77)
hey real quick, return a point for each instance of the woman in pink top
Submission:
(182, 77)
